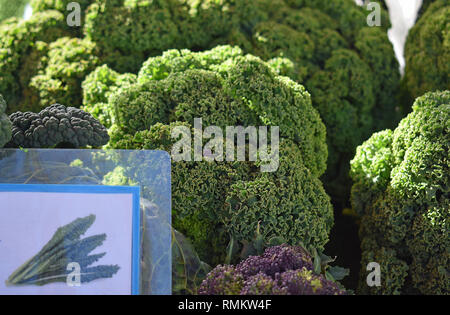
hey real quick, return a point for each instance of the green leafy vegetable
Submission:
(349, 68)
(56, 125)
(401, 191)
(427, 51)
(214, 201)
(188, 271)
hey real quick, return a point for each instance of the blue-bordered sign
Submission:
(69, 239)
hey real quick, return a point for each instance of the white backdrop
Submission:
(403, 14)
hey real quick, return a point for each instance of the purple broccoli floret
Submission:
(222, 280)
(275, 260)
(306, 282)
(281, 270)
(262, 284)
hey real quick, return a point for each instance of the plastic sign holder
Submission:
(107, 210)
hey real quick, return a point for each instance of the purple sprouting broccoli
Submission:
(305, 282)
(281, 270)
(276, 259)
(222, 280)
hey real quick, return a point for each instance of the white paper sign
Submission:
(42, 251)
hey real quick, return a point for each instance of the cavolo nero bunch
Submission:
(280, 270)
(56, 125)
(401, 191)
(215, 202)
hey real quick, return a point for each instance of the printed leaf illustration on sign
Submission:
(65, 247)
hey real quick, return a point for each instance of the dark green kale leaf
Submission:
(56, 125)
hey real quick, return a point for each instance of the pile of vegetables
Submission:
(137, 71)
(330, 47)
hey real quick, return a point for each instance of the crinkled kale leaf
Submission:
(401, 191)
(56, 125)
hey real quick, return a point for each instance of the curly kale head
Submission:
(130, 31)
(98, 86)
(215, 200)
(24, 47)
(349, 68)
(62, 70)
(401, 191)
(41, 63)
(281, 270)
(56, 125)
(427, 51)
(5, 124)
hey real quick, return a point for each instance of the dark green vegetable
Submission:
(401, 191)
(5, 124)
(65, 247)
(427, 51)
(349, 68)
(56, 125)
(213, 201)
(23, 46)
